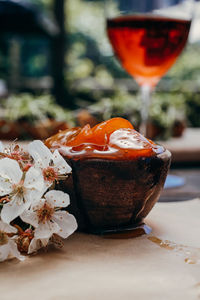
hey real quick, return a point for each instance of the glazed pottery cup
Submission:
(113, 194)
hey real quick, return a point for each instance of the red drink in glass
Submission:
(146, 45)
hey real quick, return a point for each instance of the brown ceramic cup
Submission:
(113, 194)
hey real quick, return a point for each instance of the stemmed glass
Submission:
(147, 37)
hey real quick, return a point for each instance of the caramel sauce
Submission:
(191, 255)
(113, 139)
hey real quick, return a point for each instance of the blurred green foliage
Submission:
(165, 110)
(89, 59)
(34, 108)
(90, 55)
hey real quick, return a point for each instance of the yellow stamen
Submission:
(3, 238)
(50, 174)
(45, 213)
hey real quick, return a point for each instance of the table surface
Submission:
(162, 265)
(185, 148)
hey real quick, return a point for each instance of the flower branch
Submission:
(28, 201)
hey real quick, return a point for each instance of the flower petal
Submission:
(66, 222)
(5, 186)
(32, 196)
(10, 169)
(14, 251)
(7, 228)
(38, 204)
(37, 244)
(45, 230)
(4, 252)
(60, 163)
(34, 185)
(1, 147)
(57, 198)
(47, 185)
(13, 209)
(30, 217)
(40, 153)
(34, 179)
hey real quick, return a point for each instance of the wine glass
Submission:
(147, 37)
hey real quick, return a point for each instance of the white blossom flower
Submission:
(22, 190)
(51, 164)
(1, 147)
(37, 244)
(47, 219)
(8, 247)
(13, 151)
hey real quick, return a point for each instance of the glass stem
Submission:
(145, 91)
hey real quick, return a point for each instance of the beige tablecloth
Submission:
(163, 265)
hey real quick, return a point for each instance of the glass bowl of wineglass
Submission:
(147, 37)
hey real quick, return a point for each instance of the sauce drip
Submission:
(112, 139)
(190, 255)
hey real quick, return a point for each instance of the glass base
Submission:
(174, 181)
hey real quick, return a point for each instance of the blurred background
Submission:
(57, 70)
